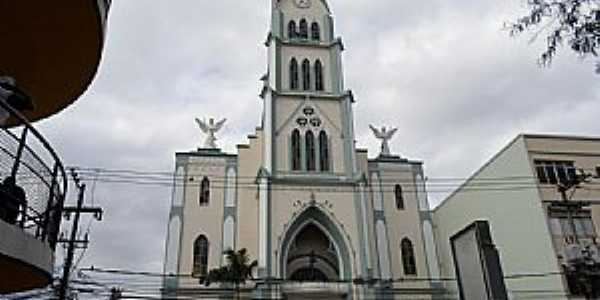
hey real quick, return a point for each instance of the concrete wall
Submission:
(250, 160)
(400, 223)
(35, 255)
(517, 222)
(203, 220)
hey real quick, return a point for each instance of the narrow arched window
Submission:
(318, 76)
(306, 75)
(296, 152)
(292, 30)
(204, 192)
(294, 74)
(303, 34)
(315, 32)
(310, 151)
(200, 257)
(399, 197)
(323, 151)
(408, 257)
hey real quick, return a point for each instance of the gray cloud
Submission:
(443, 72)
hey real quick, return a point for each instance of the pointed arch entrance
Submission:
(314, 249)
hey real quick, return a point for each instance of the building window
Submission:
(200, 257)
(292, 30)
(315, 32)
(310, 151)
(303, 34)
(306, 75)
(204, 192)
(294, 74)
(318, 76)
(408, 257)
(560, 226)
(323, 151)
(296, 165)
(553, 172)
(399, 197)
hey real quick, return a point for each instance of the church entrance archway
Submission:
(312, 256)
(314, 250)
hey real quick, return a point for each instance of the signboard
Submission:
(477, 264)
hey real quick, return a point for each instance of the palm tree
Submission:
(237, 270)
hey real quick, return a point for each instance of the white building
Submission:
(298, 195)
(516, 192)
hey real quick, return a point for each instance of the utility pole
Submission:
(73, 241)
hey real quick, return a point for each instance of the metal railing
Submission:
(33, 181)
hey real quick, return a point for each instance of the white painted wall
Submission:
(517, 223)
(173, 245)
(382, 249)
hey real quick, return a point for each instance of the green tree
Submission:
(237, 270)
(574, 22)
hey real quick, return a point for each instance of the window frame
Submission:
(306, 84)
(324, 155)
(319, 84)
(310, 148)
(303, 29)
(315, 32)
(294, 74)
(554, 171)
(292, 30)
(204, 195)
(409, 261)
(200, 258)
(399, 197)
(296, 150)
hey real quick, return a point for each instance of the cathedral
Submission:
(319, 215)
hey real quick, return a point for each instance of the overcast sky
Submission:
(443, 72)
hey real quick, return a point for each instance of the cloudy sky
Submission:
(444, 72)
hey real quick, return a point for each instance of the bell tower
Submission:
(307, 117)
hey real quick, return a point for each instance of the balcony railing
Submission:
(33, 182)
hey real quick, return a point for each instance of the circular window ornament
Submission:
(302, 3)
(309, 111)
(315, 122)
(302, 121)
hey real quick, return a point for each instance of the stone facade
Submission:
(298, 195)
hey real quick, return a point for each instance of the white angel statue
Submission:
(210, 129)
(384, 135)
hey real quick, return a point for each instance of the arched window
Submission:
(292, 30)
(315, 32)
(399, 197)
(296, 165)
(408, 257)
(303, 34)
(200, 257)
(204, 192)
(294, 74)
(310, 151)
(306, 75)
(323, 151)
(318, 75)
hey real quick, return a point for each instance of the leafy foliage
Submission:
(237, 270)
(576, 22)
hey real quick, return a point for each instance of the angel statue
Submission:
(210, 129)
(384, 135)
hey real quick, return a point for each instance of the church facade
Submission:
(299, 196)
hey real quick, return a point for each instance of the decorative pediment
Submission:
(308, 115)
